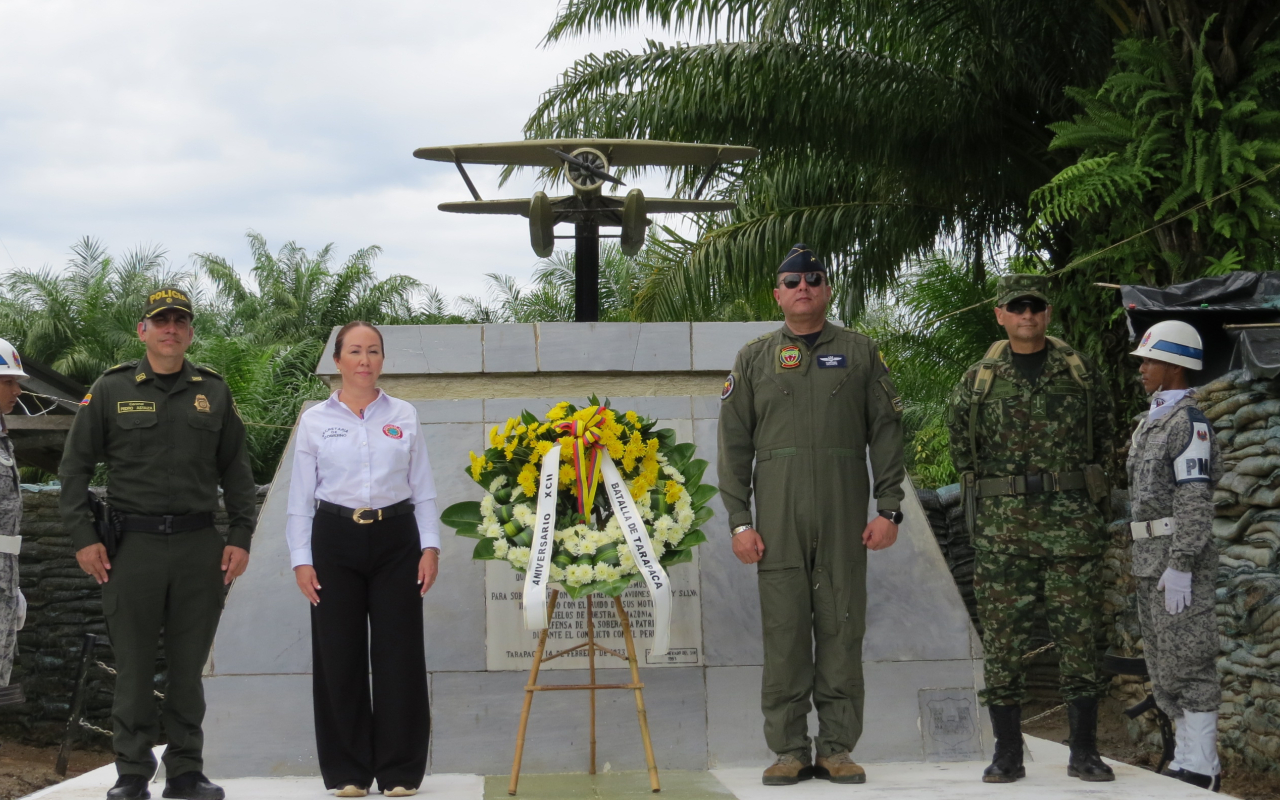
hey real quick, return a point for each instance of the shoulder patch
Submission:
(728, 387)
(1194, 463)
(120, 367)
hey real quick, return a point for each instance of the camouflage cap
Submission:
(1011, 287)
(167, 299)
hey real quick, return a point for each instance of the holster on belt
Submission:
(106, 524)
(1095, 483)
(969, 496)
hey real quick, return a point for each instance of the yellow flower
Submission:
(652, 447)
(557, 412)
(528, 480)
(544, 447)
(635, 449)
(478, 465)
(614, 446)
(632, 418)
(495, 438)
(639, 487)
(673, 491)
(510, 426)
(566, 475)
(520, 429)
(510, 448)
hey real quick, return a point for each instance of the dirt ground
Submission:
(24, 770)
(1113, 742)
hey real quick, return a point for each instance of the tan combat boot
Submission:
(839, 768)
(788, 770)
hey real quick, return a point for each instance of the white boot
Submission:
(1179, 744)
(1200, 757)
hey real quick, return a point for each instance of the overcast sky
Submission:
(187, 124)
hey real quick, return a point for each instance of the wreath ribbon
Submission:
(586, 449)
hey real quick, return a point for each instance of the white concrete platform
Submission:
(1046, 780)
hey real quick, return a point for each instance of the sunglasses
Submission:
(1020, 306)
(792, 279)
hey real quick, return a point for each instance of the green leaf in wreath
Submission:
(673, 557)
(528, 418)
(522, 539)
(459, 514)
(702, 515)
(666, 437)
(484, 550)
(680, 454)
(607, 554)
(562, 559)
(469, 531)
(693, 472)
(502, 496)
(616, 588)
(702, 493)
(691, 539)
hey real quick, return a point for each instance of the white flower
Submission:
(626, 561)
(673, 474)
(590, 541)
(500, 548)
(498, 483)
(524, 515)
(516, 493)
(684, 516)
(557, 574)
(578, 574)
(607, 572)
(573, 544)
(492, 530)
(486, 509)
(519, 558)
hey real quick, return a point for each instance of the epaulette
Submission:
(119, 367)
(208, 371)
(759, 339)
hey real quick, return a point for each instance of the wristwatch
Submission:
(893, 516)
(741, 528)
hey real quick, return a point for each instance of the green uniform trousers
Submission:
(170, 583)
(812, 648)
(1006, 585)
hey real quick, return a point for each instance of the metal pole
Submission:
(586, 284)
(77, 702)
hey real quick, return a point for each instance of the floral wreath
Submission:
(589, 552)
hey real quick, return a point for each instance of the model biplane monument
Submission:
(585, 164)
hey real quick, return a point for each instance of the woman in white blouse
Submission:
(364, 544)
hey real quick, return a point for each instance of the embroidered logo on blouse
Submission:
(334, 433)
(393, 431)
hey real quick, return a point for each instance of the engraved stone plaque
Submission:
(510, 647)
(949, 722)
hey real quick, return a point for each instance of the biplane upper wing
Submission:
(619, 152)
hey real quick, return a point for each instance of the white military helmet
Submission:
(1173, 342)
(10, 362)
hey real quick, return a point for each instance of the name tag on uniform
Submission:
(126, 406)
(827, 362)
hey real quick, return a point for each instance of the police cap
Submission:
(1011, 287)
(167, 299)
(800, 259)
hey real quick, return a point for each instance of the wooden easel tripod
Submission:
(592, 646)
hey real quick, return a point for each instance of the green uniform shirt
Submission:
(818, 409)
(166, 452)
(1024, 427)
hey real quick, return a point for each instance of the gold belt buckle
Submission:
(358, 516)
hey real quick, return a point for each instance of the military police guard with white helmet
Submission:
(13, 607)
(1173, 466)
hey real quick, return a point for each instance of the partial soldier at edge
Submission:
(13, 606)
(1030, 427)
(169, 434)
(1174, 463)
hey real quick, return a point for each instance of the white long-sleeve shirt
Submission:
(373, 461)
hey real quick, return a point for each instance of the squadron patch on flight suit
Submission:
(789, 357)
(127, 406)
(728, 388)
(1192, 465)
(202, 403)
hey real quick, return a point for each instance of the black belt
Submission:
(1030, 484)
(364, 516)
(169, 523)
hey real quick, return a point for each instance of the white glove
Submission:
(1177, 590)
(22, 610)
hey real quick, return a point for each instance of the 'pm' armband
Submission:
(1192, 465)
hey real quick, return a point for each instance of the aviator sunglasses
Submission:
(792, 279)
(1020, 306)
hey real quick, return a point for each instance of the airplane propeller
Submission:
(579, 159)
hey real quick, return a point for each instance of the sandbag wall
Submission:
(63, 604)
(1246, 417)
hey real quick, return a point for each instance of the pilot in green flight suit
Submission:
(805, 404)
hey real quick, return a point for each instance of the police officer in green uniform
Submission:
(1030, 426)
(169, 434)
(803, 405)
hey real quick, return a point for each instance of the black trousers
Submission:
(370, 615)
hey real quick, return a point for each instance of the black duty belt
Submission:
(1009, 485)
(170, 523)
(364, 516)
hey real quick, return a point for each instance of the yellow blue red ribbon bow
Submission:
(586, 455)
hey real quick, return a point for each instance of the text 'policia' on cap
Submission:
(167, 299)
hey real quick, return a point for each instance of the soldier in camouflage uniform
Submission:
(1029, 427)
(1173, 466)
(13, 607)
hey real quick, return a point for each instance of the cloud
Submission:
(187, 124)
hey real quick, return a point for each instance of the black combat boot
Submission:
(1085, 764)
(130, 787)
(1006, 766)
(192, 786)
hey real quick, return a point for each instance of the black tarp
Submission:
(1241, 298)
